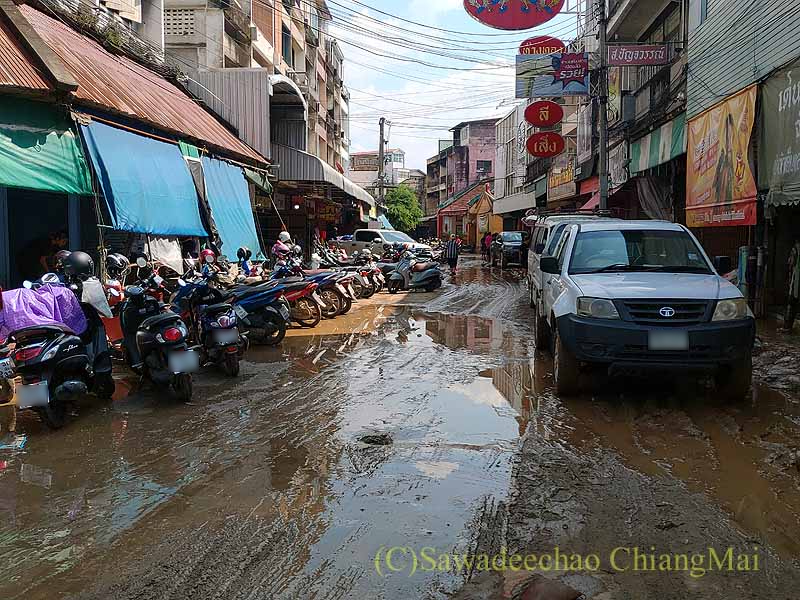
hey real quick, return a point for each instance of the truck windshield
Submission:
(396, 236)
(512, 236)
(636, 250)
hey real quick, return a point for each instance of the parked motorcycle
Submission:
(155, 338)
(212, 322)
(410, 274)
(332, 285)
(56, 364)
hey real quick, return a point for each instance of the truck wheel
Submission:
(541, 330)
(733, 383)
(565, 368)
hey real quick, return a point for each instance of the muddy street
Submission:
(417, 421)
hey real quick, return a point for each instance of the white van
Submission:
(642, 295)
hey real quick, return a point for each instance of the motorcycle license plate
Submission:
(32, 395)
(284, 312)
(6, 368)
(226, 336)
(184, 361)
(240, 312)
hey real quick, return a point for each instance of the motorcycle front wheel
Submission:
(369, 290)
(393, 286)
(358, 289)
(306, 312)
(347, 304)
(333, 304)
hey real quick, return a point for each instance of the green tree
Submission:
(403, 209)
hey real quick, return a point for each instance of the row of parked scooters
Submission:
(166, 329)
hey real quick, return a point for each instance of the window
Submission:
(512, 236)
(286, 45)
(484, 167)
(561, 249)
(637, 250)
(366, 236)
(703, 11)
(557, 230)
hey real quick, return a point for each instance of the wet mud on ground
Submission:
(425, 420)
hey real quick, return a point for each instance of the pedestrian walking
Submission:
(451, 251)
(487, 246)
(793, 302)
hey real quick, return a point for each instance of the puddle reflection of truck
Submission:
(374, 240)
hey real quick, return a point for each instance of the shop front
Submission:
(314, 200)
(779, 175)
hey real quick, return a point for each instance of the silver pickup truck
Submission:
(374, 240)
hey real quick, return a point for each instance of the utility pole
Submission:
(381, 167)
(603, 102)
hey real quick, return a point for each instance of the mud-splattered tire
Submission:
(565, 368)
(347, 304)
(333, 304)
(104, 385)
(54, 415)
(541, 330)
(734, 383)
(312, 314)
(182, 386)
(230, 364)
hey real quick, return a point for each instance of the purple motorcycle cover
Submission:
(48, 305)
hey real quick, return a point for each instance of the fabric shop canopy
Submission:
(146, 183)
(385, 224)
(296, 165)
(229, 196)
(659, 146)
(39, 151)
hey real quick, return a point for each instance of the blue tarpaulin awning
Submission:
(229, 197)
(146, 183)
(385, 224)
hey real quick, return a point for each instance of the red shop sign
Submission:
(513, 14)
(545, 144)
(543, 44)
(544, 113)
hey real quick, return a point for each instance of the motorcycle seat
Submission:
(419, 267)
(159, 320)
(35, 331)
(216, 308)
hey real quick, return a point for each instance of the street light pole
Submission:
(381, 168)
(603, 107)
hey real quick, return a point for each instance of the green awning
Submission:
(189, 150)
(659, 146)
(39, 150)
(260, 179)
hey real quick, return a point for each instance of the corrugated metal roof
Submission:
(119, 84)
(296, 165)
(16, 70)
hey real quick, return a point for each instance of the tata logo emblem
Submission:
(667, 312)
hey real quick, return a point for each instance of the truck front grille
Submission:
(657, 312)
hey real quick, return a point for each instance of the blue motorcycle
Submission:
(212, 322)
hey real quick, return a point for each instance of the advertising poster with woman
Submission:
(720, 188)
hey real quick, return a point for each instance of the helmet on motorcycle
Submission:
(284, 236)
(208, 256)
(59, 258)
(116, 263)
(79, 265)
(297, 250)
(244, 253)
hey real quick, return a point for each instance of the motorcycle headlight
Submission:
(732, 310)
(597, 308)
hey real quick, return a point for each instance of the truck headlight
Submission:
(597, 308)
(731, 310)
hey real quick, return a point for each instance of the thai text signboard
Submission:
(513, 15)
(545, 144)
(543, 44)
(629, 55)
(544, 113)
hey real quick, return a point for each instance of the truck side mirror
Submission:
(549, 264)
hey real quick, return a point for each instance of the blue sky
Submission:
(424, 100)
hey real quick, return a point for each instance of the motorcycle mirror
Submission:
(50, 278)
(27, 284)
(181, 282)
(141, 262)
